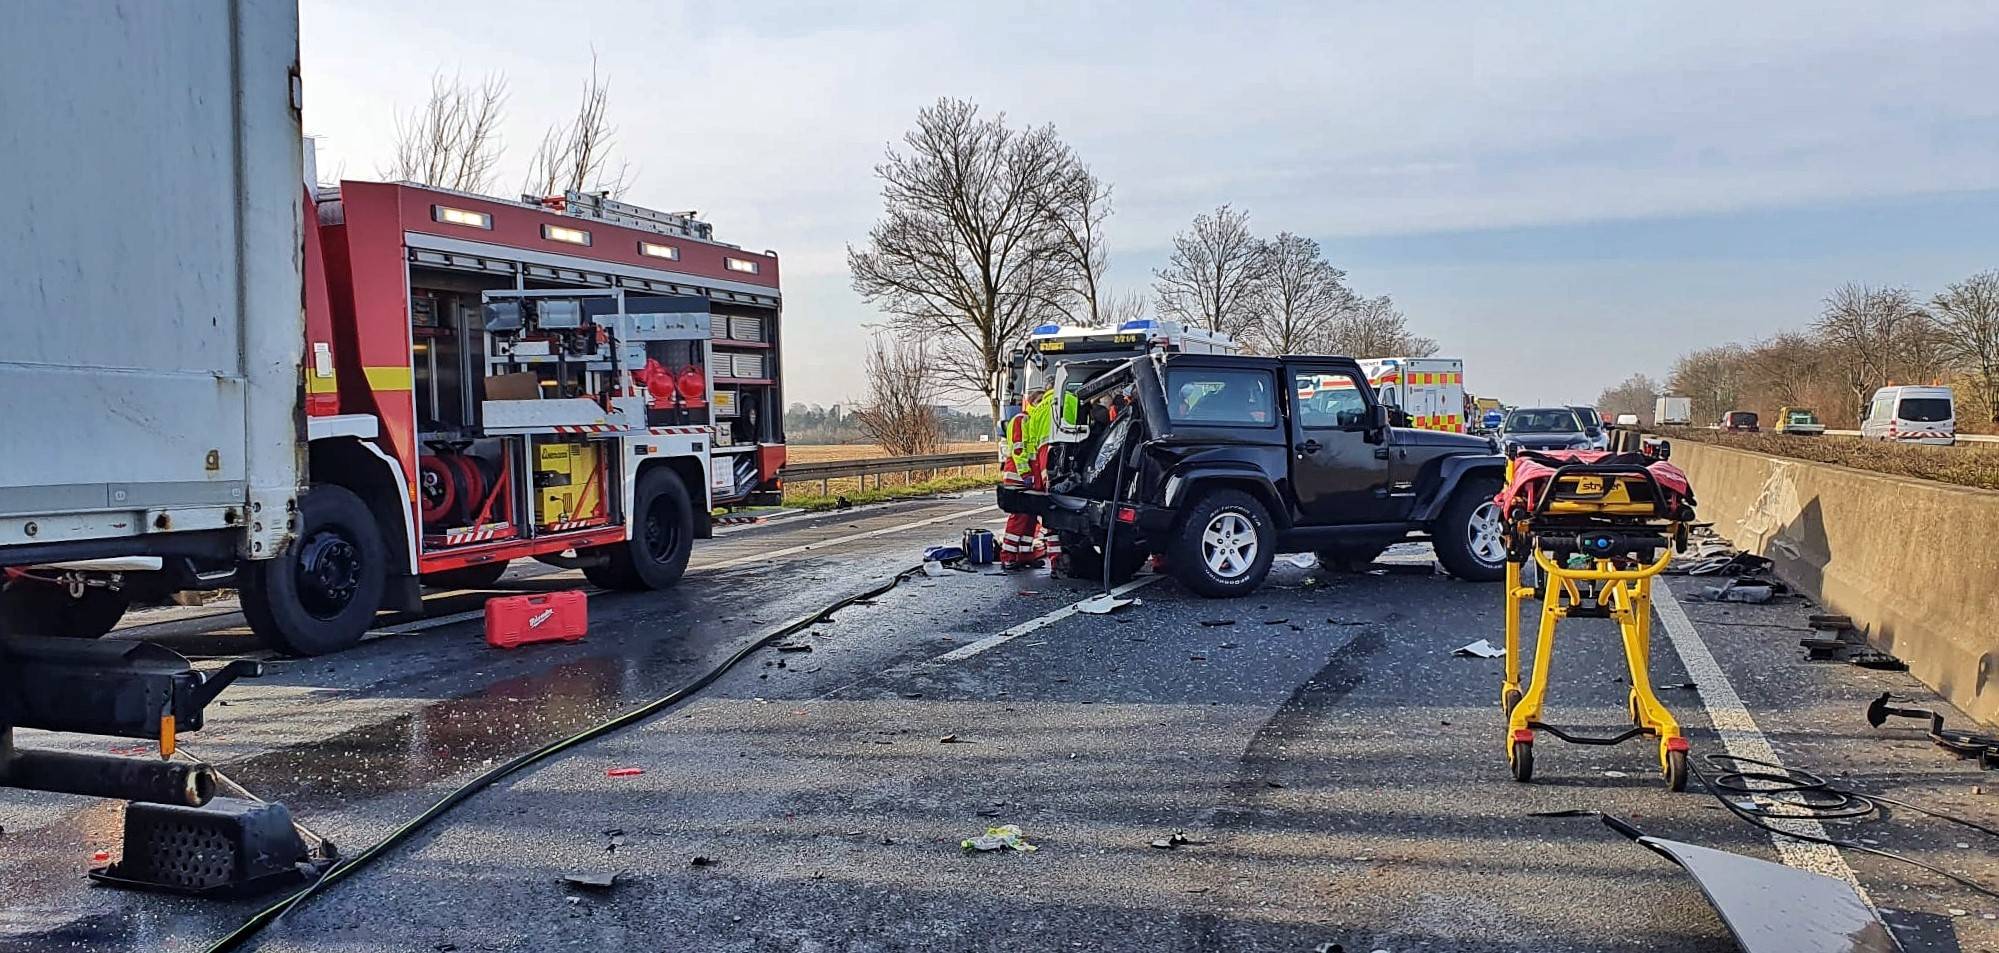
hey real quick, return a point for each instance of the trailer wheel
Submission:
(321, 594)
(662, 538)
(482, 576)
(29, 607)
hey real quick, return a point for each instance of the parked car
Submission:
(1739, 421)
(1593, 425)
(1219, 462)
(1912, 415)
(1799, 421)
(1545, 428)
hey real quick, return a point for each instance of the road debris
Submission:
(1213, 623)
(623, 772)
(1177, 840)
(793, 647)
(1004, 837)
(1482, 648)
(699, 861)
(953, 740)
(592, 880)
(1564, 812)
(1104, 604)
(1303, 560)
(1735, 590)
(1982, 748)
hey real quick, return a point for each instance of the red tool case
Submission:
(549, 617)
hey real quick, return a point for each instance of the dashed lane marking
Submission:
(1741, 736)
(993, 641)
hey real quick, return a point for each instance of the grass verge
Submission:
(1964, 465)
(931, 487)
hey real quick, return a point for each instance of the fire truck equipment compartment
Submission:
(542, 617)
(567, 488)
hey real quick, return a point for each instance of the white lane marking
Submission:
(852, 537)
(991, 641)
(1740, 735)
(432, 623)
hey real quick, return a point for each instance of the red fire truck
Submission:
(575, 380)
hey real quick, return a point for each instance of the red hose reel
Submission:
(453, 487)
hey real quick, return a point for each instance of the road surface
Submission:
(1337, 772)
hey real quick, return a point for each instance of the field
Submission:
(1967, 464)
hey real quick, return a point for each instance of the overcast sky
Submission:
(1561, 194)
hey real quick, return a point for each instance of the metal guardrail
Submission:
(878, 467)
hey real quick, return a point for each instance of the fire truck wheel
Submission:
(28, 607)
(662, 537)
(482, 576)
(321, 595)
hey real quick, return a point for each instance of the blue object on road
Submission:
(943, 554)
(980, 547)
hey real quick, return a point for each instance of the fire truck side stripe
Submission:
(390, 377)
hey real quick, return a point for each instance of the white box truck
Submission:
(150, 406)
(1672, 411)
(1431, 390)
(149, 387)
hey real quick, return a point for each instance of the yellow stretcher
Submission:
(1599, 533)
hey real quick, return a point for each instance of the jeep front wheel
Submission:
(1224, 546)
(1467, 535)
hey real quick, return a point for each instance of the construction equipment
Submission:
(1599, 527)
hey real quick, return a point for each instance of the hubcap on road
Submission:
(1484, 533)
(329, 572)
(1228, 545)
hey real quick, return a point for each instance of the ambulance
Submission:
(1431, 390)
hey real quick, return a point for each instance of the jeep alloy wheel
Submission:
(1228, 545)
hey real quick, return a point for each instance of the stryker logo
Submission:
(539, 618)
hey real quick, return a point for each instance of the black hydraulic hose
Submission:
(272, 913)
(1831, 803)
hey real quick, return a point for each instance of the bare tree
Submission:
(1077, 206)
(1865, 329)
(453, 140)
(967, 253)
(1372, 327)
(1120, 307)
(1967, 324)
(901, 413)
(1711, 378)
(1636, 395)
(1788, 370)
(1299, 302)
(576, 157)
(1213, 273)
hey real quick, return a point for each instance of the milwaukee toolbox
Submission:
(545, 617)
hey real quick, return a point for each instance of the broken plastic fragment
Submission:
(1004, 837)
(623, 772)
(593, 881)
(1482, 648)
(1103, 604)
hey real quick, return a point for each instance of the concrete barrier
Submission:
(1915, 563)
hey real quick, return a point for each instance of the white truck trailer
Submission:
(1672, 411)
(150, 382)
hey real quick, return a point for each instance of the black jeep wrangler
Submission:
(1219, 462)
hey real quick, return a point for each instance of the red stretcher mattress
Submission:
(1532, 470)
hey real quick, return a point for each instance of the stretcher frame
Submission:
(1591, 502)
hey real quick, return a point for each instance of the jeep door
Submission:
(1338, 473)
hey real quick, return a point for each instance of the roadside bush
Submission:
(1973, 464)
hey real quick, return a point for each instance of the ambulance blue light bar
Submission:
(1138, 324)
(1046, 330)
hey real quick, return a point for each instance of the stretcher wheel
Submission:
(1508, 699)
(1520, 754)
(1676, 771)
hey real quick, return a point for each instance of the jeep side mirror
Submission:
(1377, 417)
